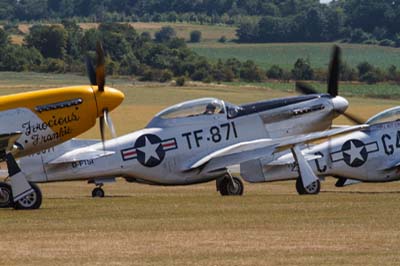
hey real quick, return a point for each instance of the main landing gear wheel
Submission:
(98, 193)
(31, 201)
(6, 200)
(312, 189)
(231, 186)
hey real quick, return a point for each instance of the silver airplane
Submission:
(188, 143)
(368, 155)
(193, 142)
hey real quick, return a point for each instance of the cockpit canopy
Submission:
(195, 111)
(388, 115)
(204, 106)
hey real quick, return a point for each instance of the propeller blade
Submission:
(100, 68)
(102, 123)
(354, 118)
(109, 123)
(333, 78)
(305, 88)
(90, 71)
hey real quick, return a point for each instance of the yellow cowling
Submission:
(68, 111)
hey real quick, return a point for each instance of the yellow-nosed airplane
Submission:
(34, 121)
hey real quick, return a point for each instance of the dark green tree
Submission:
(4, 39)
(302, 70)
(51, 41)
(195, 36)
(31, 9)
(248, 32)
(249, 71)
(166, 34)
(74, 39)
(275, 72)
(7, 9)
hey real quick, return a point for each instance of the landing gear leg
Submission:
(230, 185)
(98, 192)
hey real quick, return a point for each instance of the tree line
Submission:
(358, 21)
(355, 21)
(138, 9)
(63, 47)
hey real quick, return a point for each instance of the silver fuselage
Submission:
(162, 152)
(370, 155)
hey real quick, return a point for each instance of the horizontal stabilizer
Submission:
(343, 182)
(80, 155)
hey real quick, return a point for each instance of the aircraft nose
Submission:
(340, 104)
(108, 99)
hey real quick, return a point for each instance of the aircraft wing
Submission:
(7, 140)
(249, 150)
(80, 155)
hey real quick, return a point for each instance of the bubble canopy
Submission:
(388, 115)
(203, 106)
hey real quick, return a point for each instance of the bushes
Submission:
(195, 36)
(222, 39)
(180, 81)
(387, 42)
(251, 72)
(166, 34)
(275, 72)
(53, 65)
(156, 75)
(302, 70)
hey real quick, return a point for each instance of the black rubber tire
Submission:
(98, 193)
(222, 186)
(31, 202)
(316, 187)
(227, 188)
(6, 199)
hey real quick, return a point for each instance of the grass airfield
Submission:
(193, 225)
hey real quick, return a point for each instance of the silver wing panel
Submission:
(261, 148)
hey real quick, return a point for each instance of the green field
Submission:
(379, 90)
(193, 225)
(285, 55)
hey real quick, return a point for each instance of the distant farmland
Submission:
(264, 54)
(285, 54)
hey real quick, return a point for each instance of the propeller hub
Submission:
(340, 104)
(108, 99)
